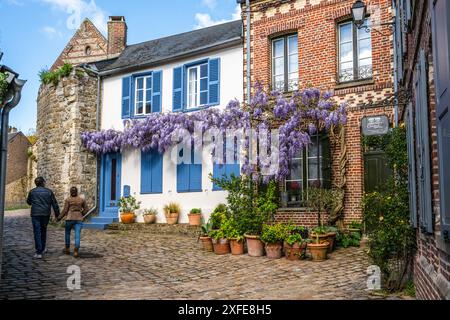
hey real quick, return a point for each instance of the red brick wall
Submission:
(432, 261)
(299, 217)
(315, 22)
(117, 35)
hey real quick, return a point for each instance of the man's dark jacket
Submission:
(41, 201)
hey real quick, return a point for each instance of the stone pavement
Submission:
(137, 265)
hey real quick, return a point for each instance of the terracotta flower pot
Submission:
(274, 250)
(318, 251)
(332, 240)
(237, 247)
(172, 218)
(127, 218)
(294, 252)
(150, 219)
(221, 246)
(195, 219)
(255, 246)
(207, 244)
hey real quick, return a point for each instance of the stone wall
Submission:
(64, 112)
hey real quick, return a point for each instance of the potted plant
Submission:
(318, 249)
(273, 236)
(295, 242)
(150, 215)
(320, 233)
(234, 236)
(205, 237)
(127, 208)
(172, 212)
(220, 242)
(195, 217)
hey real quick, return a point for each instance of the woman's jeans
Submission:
(77, 226)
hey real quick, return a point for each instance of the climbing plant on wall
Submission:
(297, 117)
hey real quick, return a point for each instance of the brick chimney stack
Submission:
(117, 35)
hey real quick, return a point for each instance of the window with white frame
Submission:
(197, 86)
(355, 52)
(285, 63)
(143, 95)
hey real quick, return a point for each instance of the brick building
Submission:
(16, 176)
(422, 52)
(300, 43)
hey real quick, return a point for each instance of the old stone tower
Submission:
(69, 108)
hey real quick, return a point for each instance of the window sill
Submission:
(149, 193)
(190, 191)
(352, 84)
(199, 108)
(298, 210)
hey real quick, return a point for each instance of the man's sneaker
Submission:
(37, 256)
(45, 251)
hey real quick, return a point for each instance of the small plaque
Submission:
(375, 126)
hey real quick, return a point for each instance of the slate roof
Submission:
(173, 47)
(11, 136)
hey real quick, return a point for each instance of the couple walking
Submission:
(42, 200)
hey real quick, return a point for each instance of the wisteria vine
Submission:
(297, 118)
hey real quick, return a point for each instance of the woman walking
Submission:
(74, 208)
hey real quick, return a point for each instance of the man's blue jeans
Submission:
(77, 226)
(40, 232)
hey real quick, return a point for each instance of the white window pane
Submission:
(365, 62)
(346, 52)
(345, 32)
(140, 96)
(296, 170)
(140, 83)
(140, 108)
(279, 82)
(148, 82)
(364, 49)
(293, 45)
(278, 48)
(362, 33)
(293, 63)
(279, 66)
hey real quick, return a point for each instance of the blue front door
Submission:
(111, 182)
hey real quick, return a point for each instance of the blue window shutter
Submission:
(214, 81)
(195, 177)
(182, 177)
(233, 169)
(146, 172)
(157, 172)
(411, 166)
(219, 170)
(195, 172)
(157, 88)
(126, 97)
(440, 17)
(178, 89)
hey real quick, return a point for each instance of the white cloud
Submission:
(51, 32)
(15, 3)
(204, 20)
(210, 3)
(78, 10)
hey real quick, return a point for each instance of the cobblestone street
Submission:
(136, 265)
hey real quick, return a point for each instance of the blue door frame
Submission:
(110, 192)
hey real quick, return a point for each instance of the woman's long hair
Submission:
(73, 192)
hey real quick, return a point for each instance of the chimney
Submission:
(12, 130)
(117, 35)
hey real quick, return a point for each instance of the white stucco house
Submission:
(180, 73)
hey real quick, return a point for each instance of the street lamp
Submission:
(359, 11)
(9, 102)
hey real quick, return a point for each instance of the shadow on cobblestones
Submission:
(136, 265)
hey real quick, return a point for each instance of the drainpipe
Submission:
(16, 91)
(97, 128)
(249, 56)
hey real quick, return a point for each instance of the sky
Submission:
(34, 32)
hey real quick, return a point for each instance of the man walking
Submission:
(41, 201)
